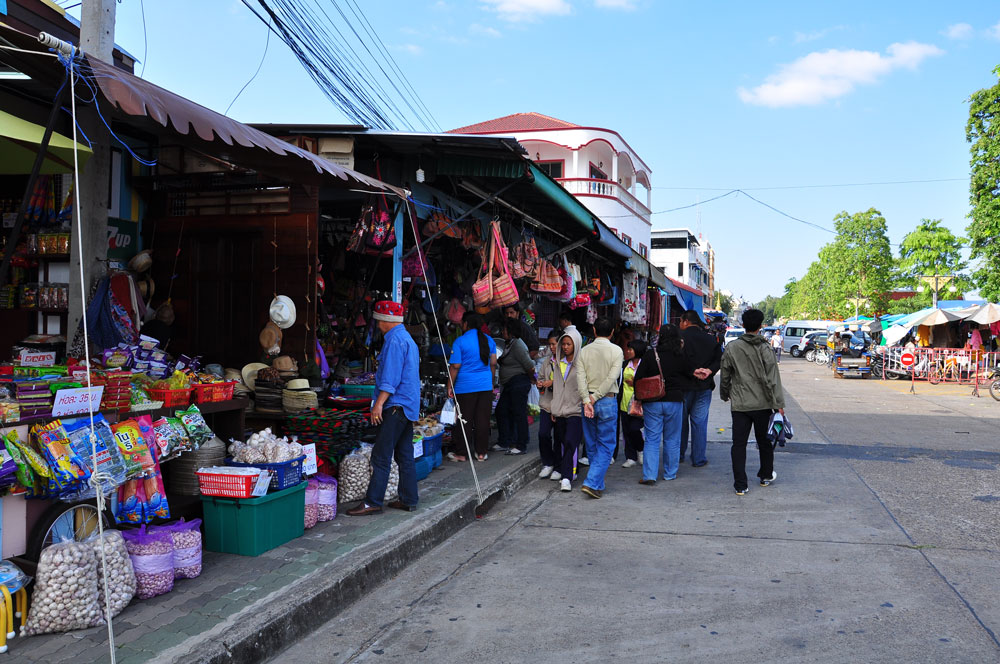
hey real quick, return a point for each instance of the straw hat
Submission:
(249, 373)
(142, 261)
(285, 364)
(147, 287)
(282, 311)
(297, 384)
(270, 338)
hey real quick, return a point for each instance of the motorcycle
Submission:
(995, 384)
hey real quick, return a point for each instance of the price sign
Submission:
(309, 465)
(263, 482)
(34, 358)
(77, 400)
(908, 359)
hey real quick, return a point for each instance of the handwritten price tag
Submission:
(77, 400)
(309, 464)
(263, 482)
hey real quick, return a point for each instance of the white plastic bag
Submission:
(65, 590)
(447, 415)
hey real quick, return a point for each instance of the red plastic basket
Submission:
(171, 397)
(211, 392)
(229, 486)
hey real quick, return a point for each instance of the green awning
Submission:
(19, 141)
(480, 167)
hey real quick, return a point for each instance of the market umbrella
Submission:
(19, 141)
(936, 317)
(988, 313)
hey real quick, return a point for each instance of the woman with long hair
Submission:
(662, 415)
(517, 373)
(631, 424)
(472, 366)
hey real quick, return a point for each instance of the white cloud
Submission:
(627, 5)
(958, 31)
(801, 37)
(994, 32)
(484, 30)
(517, 11)
(825, 75)
(412, 49)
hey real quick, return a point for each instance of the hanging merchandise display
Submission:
(631, 311)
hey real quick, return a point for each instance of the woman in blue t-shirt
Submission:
(473, 365)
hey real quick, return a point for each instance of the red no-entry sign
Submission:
(907, 359)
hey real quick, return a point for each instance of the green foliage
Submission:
(932, 249)
(726, 304)
(859, 262)
(983, 132)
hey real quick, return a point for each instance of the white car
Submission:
(732, 334)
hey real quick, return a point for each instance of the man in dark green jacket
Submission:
(749, 377)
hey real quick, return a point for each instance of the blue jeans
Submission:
(599, 434)
(394, 438)
(663, 434)
(695, 420)
(512, 413)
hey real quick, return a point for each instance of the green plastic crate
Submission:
(251, 526)
(358, 390)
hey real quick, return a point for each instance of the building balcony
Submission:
(607, 189)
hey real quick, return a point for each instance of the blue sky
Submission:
(713, 96)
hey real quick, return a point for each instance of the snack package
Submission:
(133, 446)
(195, 425)
(155, 503)
(23, 472)
(109, 458)
(67, 467)
(181, 433)
(34, 459)
(152, 555)
(131, 500)
(167, 439)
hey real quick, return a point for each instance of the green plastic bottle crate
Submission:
(251, 526)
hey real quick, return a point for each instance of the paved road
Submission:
(880, 541)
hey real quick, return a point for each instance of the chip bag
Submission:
(195, 425)
(34, 459)
(130, 502)
(23, 472)
(133, 447)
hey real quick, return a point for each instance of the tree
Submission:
(725, 304)
(859, 263)
(932, 249)
(984, 187)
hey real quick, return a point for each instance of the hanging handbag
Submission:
(357, 241)
(568, 291)
(517, 262)
(530, 258)
(455, 311)
(381, 236)
(504, 289)
(594, 286)
(580, 301)
(653, 387)
(547, 279)
(482, 289)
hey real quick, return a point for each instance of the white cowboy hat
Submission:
(249, 373)
(282, 311)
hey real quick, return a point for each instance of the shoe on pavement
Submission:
(364, 509)
(640, 457)
(584, 461)
(647, 482)
(400, 505)
(546, 471)
(497, 447)
(513, 451)
(700, 465)
(482, 457)
(556, 475)
(767, 482)
(628, 464)
(743, 492)
(565, 485)
(593, 493)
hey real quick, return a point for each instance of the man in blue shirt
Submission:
(396, 408)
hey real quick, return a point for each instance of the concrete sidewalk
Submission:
(246, 609)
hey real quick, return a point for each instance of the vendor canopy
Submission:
(148, 107)
(19, 143)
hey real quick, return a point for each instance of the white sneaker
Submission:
(584, 461)
(565, 486)
(546, 471)
(628, 464)
(640, 457)
(555, 476)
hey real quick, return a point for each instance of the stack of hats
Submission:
(286, 366)
(267, 397)
(298, 396)
(236, 376)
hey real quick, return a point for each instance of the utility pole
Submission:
(97, 40)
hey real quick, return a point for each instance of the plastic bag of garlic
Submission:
(118, 571)
(65, 590)
(356, 473)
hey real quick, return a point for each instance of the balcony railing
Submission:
(606, 189)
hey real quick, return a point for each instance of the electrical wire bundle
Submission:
(341, 58)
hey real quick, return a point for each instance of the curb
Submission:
(280, 619)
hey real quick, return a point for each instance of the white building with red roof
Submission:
(594, 164)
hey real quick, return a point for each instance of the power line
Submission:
(267, 42)
(145, 40)
(785, 214)
(817, 186)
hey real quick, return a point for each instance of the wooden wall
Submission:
(226, 278)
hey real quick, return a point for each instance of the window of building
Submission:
(626, 239)
(554, 169)
(680, 269)
(596, 173)
(668, 243)
(643, 250)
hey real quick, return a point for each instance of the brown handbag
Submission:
(647, 389)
